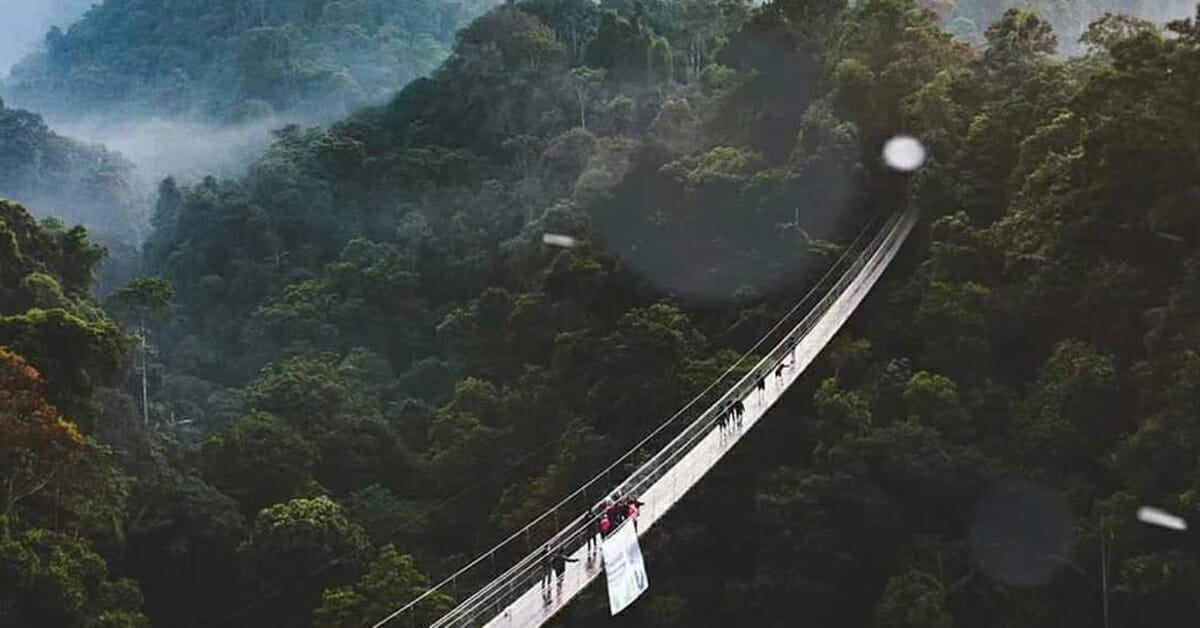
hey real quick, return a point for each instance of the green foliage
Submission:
(56, 579)
(933, 400)
(1018, 37)
(382, 515)
(182, 540)
(75, 354)
(236, 61)
(624, 47)
(300, 547)
(292, 538)
(391, 577)
(143, 296)
(259, 460)
(1073, 406)
(849, 354)
(46, 262)
(913, 600)
(842, 411)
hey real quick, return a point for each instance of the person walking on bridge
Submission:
(547, 572)
(784, 365)
(616, 508)
(633, 507)
(593, 526)
(559, 560)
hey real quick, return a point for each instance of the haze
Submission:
(25, 24)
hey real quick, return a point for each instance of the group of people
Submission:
(605, 516)
(732, 416)
(612, 512)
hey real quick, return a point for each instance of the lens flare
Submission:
(554, 239)
(1156, 517)
(904, 153)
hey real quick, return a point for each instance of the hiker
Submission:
(558, 561)
(633, 508)
(547, 570)
(592, 517)
(616, 510)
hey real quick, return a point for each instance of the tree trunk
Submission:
(582, 111)
(1105, 555)
(145, 394)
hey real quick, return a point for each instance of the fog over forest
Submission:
(94, 84)
(96, 110)
(193, 89)
(201, 137)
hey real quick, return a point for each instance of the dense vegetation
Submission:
(362, 363)
(970, 19)
(236, 60)
(62, 484)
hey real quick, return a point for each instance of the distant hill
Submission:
(59, 176)
(233, 61)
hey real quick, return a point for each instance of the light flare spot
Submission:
(554, 239)
(1156, 517)
(904, 153)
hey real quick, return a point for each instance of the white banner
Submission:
(623, 566)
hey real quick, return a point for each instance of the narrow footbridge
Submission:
(514, 598)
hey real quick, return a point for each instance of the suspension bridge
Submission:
(515, 598)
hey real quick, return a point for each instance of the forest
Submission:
(342, 374)
(235, 60)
